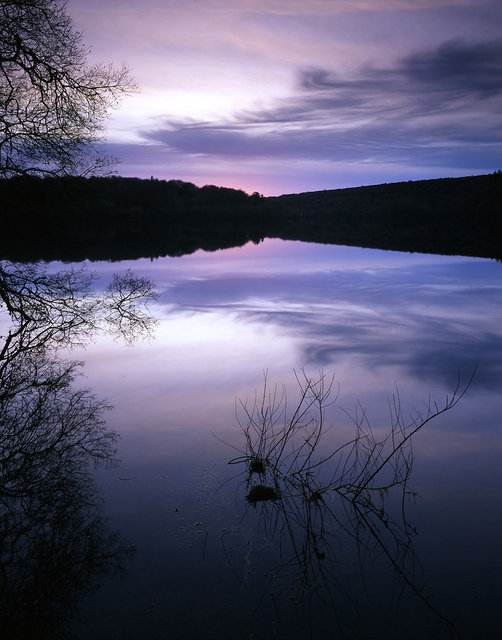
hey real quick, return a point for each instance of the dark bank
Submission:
(125, 218)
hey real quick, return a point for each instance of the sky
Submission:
(285, 96)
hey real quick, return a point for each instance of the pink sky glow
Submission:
(283, 96)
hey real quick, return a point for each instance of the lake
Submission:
(391, 338)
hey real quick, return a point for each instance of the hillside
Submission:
(449, 216)
(125, 218)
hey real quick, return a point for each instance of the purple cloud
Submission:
(439, 106)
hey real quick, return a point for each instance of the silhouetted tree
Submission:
(52, 102)
(314, 503)
(48, 310)
(55, 545)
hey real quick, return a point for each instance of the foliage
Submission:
(121, 218)
(52, 102)
(75, 218)
(453, 216)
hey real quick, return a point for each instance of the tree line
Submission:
(74, 218)
(111, 218)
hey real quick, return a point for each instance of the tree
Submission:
(315, 501)
(61, 310)
(52, 102)
(55, 544)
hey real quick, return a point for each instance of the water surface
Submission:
(208, 564)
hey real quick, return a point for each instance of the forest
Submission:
(114, 218)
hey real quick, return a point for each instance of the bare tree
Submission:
(61, 309)
(41, 413)
(52, 102)
(55, 544)
(312, 502)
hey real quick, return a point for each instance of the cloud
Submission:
(472, 70)
(440, 106)
(276, 7)
(419, 321)
(455, 70)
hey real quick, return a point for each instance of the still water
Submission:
(382, 327)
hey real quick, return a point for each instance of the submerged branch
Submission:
(310, 499)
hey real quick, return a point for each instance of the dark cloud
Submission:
(433, 352)
(436, 107)
(456, 68)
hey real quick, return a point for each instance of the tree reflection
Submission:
(61, 309)
(54, 542)
(314, 506)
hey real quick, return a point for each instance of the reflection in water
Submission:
(54, 542)
(429, 320)
(375, 318)
(312, 502)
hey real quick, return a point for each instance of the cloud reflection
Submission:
(430, 321)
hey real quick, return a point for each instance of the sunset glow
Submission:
(286, 96)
